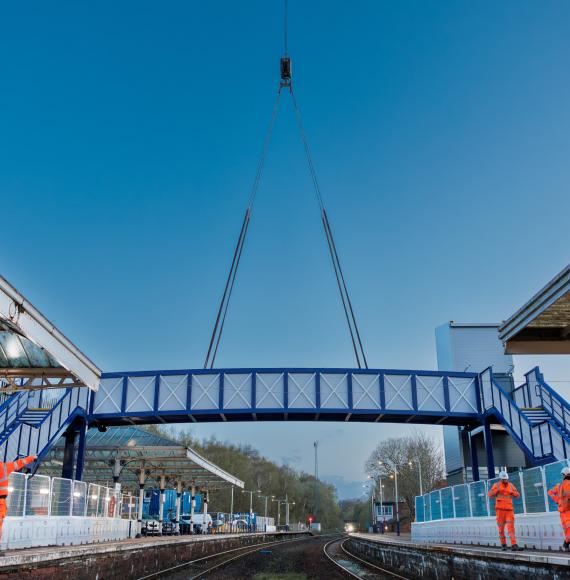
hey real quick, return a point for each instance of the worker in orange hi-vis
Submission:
(504, 491)
(560, 493)
(5, 470)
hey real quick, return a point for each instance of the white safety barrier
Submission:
(541, 531)
(43, 496)
(32, 532)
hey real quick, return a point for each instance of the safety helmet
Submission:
(503, 475)
(565, 472)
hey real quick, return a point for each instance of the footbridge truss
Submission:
(537, 418)
(287, 394)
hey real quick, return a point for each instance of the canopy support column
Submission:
(142, 480)
(192, 507)
(161, 503)
(205, 499)
(178, 501)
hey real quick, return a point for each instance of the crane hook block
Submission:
(285, 71)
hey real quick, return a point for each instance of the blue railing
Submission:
(470, 500)
(26, 440)
(540, 442)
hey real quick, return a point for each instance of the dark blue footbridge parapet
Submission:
(294, 394)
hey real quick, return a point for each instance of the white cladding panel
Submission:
(237, 391)
(398, 392)
(108, 398)
(205, 392)
(172, 393)
(471, 348)
(334, 391)
(269, 389)
(302, 390)
(365, 391)
(140, 394)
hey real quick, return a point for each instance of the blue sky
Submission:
(129, 137)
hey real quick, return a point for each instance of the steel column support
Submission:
(68, 453)
(80, 463)
(489, 450)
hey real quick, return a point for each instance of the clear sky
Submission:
(129, 137)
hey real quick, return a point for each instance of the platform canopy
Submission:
(542, 325)
(127, 450)
(34, 353)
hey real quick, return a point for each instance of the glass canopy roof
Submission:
(134, 449)
(17, 351)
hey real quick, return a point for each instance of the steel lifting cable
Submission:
(341, 282)
(225, 301)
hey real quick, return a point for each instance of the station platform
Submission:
(124, 558)
(457, 561)
(528, 555)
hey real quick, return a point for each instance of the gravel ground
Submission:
(289, 561)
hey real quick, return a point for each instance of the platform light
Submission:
(76, 494)
(10, 489)
(44, 490)
(94, 497)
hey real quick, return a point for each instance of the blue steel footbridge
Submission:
(535, 416)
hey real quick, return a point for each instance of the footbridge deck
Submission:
(282, 394)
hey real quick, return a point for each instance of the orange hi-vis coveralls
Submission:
(560, 493)
(5, 470)
(504, 491)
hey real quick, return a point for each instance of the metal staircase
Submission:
(536, 415)
(32, 421)
(535, 424)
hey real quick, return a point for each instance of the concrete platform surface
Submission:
(531, 556)
(28, 556)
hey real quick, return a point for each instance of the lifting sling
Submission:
(286, 82)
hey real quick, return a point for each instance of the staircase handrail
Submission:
(12, 408)
(547, 395)
(531, 432)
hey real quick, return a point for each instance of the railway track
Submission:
(354, 566)
(195, 569)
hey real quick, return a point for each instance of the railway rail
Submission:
(354, 566)
(199, 567)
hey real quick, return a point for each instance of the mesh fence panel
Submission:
(427, 508)
(478, 493)
(61, 496)
(420, 508)
(16, 494)
(533, 490)
(446, 503)
(490, 484)
(93, 494)
(552, 476)
(435, 505)
(79, 498)
(38, 496)
(461, 500)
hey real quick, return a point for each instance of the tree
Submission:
(407, 455)
(258, 473)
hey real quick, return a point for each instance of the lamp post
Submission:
(395, 468)
(265, 497)
(418, 463)
(287, 501)
(250, 523)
